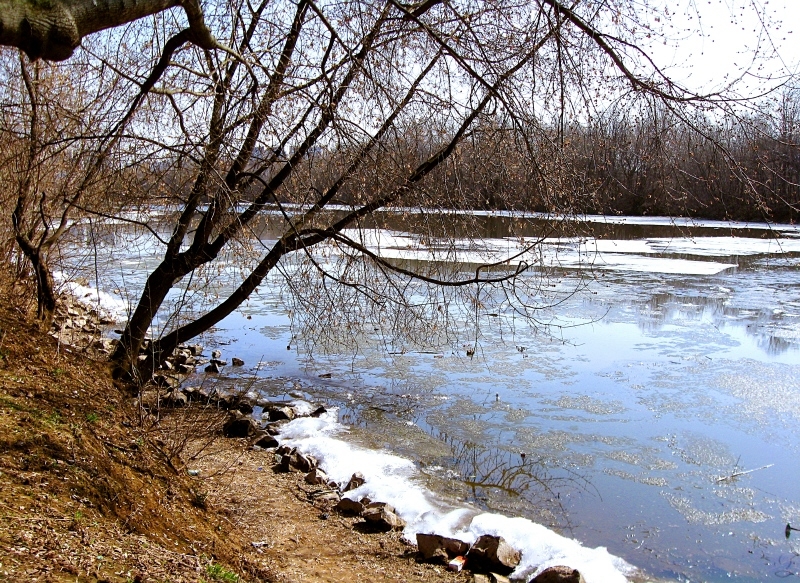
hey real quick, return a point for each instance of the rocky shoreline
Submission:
(258, 420)
(490, 558)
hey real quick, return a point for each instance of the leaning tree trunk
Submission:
(45, 285)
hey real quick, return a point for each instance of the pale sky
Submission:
(731, 31)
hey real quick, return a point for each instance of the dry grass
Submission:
(92, 490)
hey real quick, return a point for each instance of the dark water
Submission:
(655, 414)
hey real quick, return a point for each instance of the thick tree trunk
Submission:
(126, 355)
(52, 30)
(45, 286)
(45, 293)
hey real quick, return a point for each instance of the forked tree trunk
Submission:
(45, 286)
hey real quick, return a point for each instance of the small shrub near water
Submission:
(220, 573)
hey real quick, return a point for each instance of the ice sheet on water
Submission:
(567, 253)
(392, 479)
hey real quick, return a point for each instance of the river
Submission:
(654, 410)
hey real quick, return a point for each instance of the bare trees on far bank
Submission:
(641, 161)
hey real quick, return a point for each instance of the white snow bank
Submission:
(392, 479)
(114, 307)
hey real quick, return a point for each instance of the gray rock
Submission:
(347, 506)
(356, 480)
(285, 464)
(237, 361)
(318, 412)
(433, 546)
(493, 554)
(496, 578)
(273, 428)
(166, 381)
(216, 354)
(329, 496)
(176, 398)
(219, 362)
(196, 349)
(244, 405)
(212, 368)
(559, 574)
(303, 462)
(185, 369)
(285, 450)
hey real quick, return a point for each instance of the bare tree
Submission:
(53, 158)
(396, 101)
(348, 83)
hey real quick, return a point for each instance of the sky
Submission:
(711, 42)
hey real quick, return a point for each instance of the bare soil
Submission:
(93, 489)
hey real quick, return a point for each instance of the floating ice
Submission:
(567, 253)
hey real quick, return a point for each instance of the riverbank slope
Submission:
(93, 490)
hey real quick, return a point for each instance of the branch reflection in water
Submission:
(515, 483)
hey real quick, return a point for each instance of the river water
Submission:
(654, 411)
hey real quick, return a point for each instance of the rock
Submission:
(265, 441)
(356, 480)
(237, 425)
(383, 516)
(192, 393)
(496, 578)
(316, 477)
(287, 463)
(303, 462)
(318, 412)
(273, 428)
(347, 506)
(559, 574)
(479, 578)
(186, 369)
(493, 554)
(433, 546)
(219, 362)
(196, 349)
(245, 405)
(212, 368)
(285, 450)
(281, 413)
(237, 361)
(328, 496)
(176, 398)
(216, 354)
(167, 365)
(166, 381)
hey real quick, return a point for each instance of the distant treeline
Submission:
(634, 162)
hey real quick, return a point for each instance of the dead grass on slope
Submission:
(93, 490)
